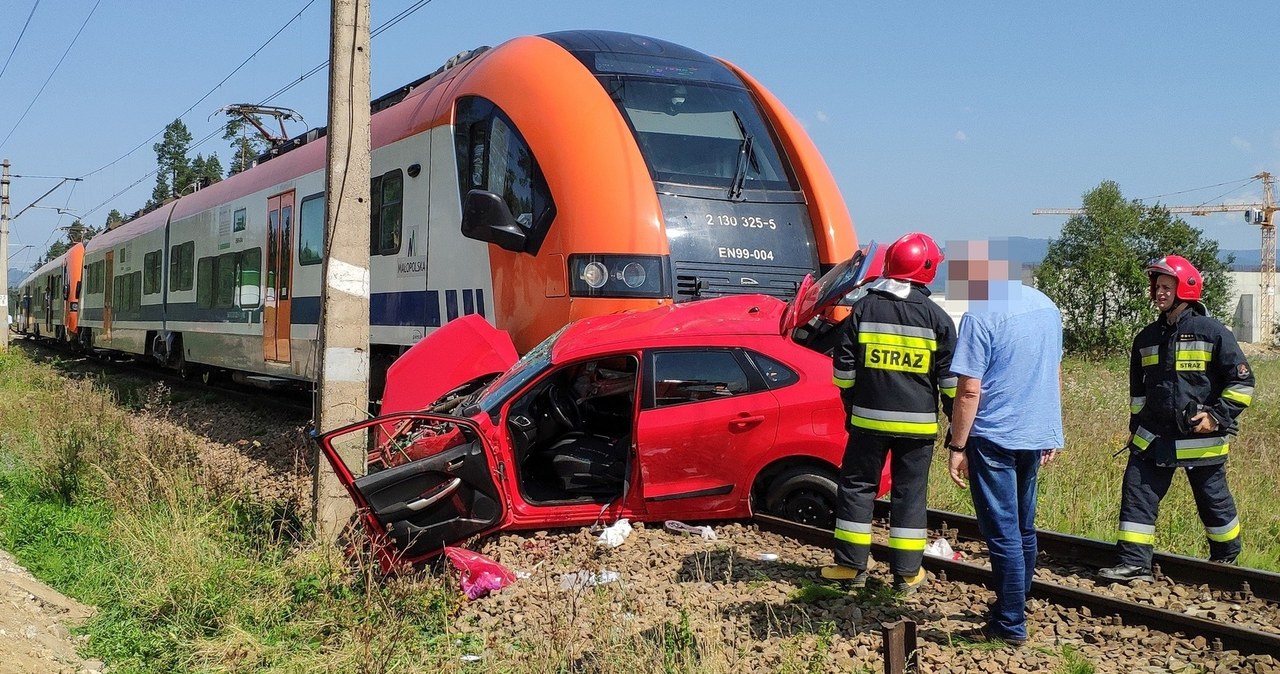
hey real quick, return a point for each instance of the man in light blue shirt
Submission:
(1006, 424)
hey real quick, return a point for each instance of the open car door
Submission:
(411, 509)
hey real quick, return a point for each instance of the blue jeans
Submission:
(1003, 485)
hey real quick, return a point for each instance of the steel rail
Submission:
(1098, 554)
(1231, 637)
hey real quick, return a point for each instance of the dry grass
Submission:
(1080, 492)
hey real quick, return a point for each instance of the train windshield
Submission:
(700, 133)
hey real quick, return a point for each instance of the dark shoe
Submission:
(984, 635)
(846, 575)
(1123, 573)
(1226, 560)
(909, 584)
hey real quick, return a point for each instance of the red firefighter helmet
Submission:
(914, 257)
(1187, 276)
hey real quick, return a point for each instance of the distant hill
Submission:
(16, 276)
(1247, 259)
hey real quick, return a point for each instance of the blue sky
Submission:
(952, 118)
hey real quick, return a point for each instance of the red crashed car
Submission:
(706, 410)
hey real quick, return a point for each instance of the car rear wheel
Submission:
(804, 495)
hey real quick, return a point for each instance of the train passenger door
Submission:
(108, 274)
(276, 317)
(50, 286)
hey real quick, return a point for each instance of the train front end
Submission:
(736, 186)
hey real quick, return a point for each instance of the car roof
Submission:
(678, 324)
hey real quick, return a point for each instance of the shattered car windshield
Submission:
(527, 368)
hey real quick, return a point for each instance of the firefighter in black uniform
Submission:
(1188, 381)
(893, 360)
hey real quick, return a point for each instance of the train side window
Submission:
(493, 156)
(135, 291)
(249, 278)
(94, 272)
(182, 266)
(151, 273)
(224, 284)
(386, 213)
(204, 283)
(311, 230)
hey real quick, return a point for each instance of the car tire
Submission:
(804, 495)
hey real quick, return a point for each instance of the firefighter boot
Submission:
(1124, 573)
(846, 575)
(909, 584)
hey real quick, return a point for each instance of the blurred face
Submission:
(1163, 292)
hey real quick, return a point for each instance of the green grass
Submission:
(190, 575)
(1080, 491)
(1073, 662)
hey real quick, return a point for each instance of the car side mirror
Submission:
(485, 217)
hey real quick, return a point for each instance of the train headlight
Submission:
(594, 275)
(619, 276)
(634, 275)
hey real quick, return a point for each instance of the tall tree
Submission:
(77, 232)
(1094, 271)
(246, 145)
(114, 218)
(159, 193)
(171, 159)
(207, 171)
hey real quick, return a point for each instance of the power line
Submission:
(19, 41)
(404, 14)
(207, 94)
(409, 11)
(51, 73)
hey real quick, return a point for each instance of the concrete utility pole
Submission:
(4, 253)
(344, 310)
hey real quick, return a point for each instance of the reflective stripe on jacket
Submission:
(1176, 371)
(894, 361)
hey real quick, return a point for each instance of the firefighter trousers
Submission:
(1145, 484)
(864, 457)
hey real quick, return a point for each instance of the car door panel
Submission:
(448, 493)
(702, 427)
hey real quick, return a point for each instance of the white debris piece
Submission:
(677, 527)
(615, 535)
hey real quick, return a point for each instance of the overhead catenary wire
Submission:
(207, 94)
(405, 13)
(51, 74)
(19, 40)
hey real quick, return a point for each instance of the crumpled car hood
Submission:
(453, 355)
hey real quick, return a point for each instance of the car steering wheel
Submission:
(564, 409)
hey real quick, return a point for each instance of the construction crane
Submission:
(1262, 214)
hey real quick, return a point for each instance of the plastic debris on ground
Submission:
(480, 575)
(939, 547)
(576, 580)
(615, 534)
(767, 557)
(676, 527)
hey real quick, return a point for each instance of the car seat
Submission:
(582, 463)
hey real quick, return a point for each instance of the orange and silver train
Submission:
(547, 179)
(49, 299)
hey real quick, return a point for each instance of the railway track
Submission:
(1218, 634)
(1095, 554)
(296, 401)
